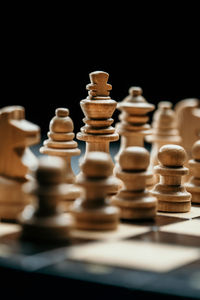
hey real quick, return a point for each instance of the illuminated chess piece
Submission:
(98, 109)
(16, 159)
(61, 143)
(193, 186)
(170, 193)
(133, 125)
(164, 131)
(134, 200)
(92, 211)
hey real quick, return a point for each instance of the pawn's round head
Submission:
(50, 170)
(134, 159)
(62, 112)
(97, 165)
(196, 150)
(172, 156)
(61, 123)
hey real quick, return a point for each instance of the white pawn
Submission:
(134, 200)
(60, 143)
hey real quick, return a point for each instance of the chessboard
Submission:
(159, 258)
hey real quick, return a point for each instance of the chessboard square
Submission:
(171, 238)
(189, 227)
(124, 231)
(135, 255)
(6, 229)
(193, 213)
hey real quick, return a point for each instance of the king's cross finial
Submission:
(99, 87)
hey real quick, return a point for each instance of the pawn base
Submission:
(102, 219)
(136, 208)
(174, 207)
(52, 228)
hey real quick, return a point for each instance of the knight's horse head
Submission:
(16, 134)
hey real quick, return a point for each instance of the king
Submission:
(98, 109)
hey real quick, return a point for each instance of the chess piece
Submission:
(61, 144)
(170, 193)
(92, 211)
(133, 125)
(188, 122)
(134, 200)
(164, 131)
(98, 109)
(45, 221)
(193, 186)
(16, 159)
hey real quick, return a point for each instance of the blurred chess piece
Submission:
(46, 221)
(61, 143)
(188, 122)
(92, 211)
(134, 200)
(193, 186)
(133, 125)
(164, 131)
(170, 193)
(16, 159)
(98, 109)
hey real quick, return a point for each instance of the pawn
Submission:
(61, 144)
(170, 193)
(92, 211)
(193, 186)
(45, 221)
(134, 200)
(164, 131)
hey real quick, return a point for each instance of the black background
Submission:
(46, 64)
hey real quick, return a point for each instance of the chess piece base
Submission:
(136, 208)
(175, 207)
(105, 218)
(12, 198)
(56, 228)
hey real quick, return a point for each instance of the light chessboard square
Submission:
(189, 227)
(123, 231)
(9, 229)
(135, 255)
(194, 213)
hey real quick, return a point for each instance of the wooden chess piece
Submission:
(133, 125)
(170, 193)
(98, 109)
(61, 144)
(16, 159)
(134, 200)
(46, 222)
(193, 186)
(164, 131)
(188, 122)
(92, 211)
